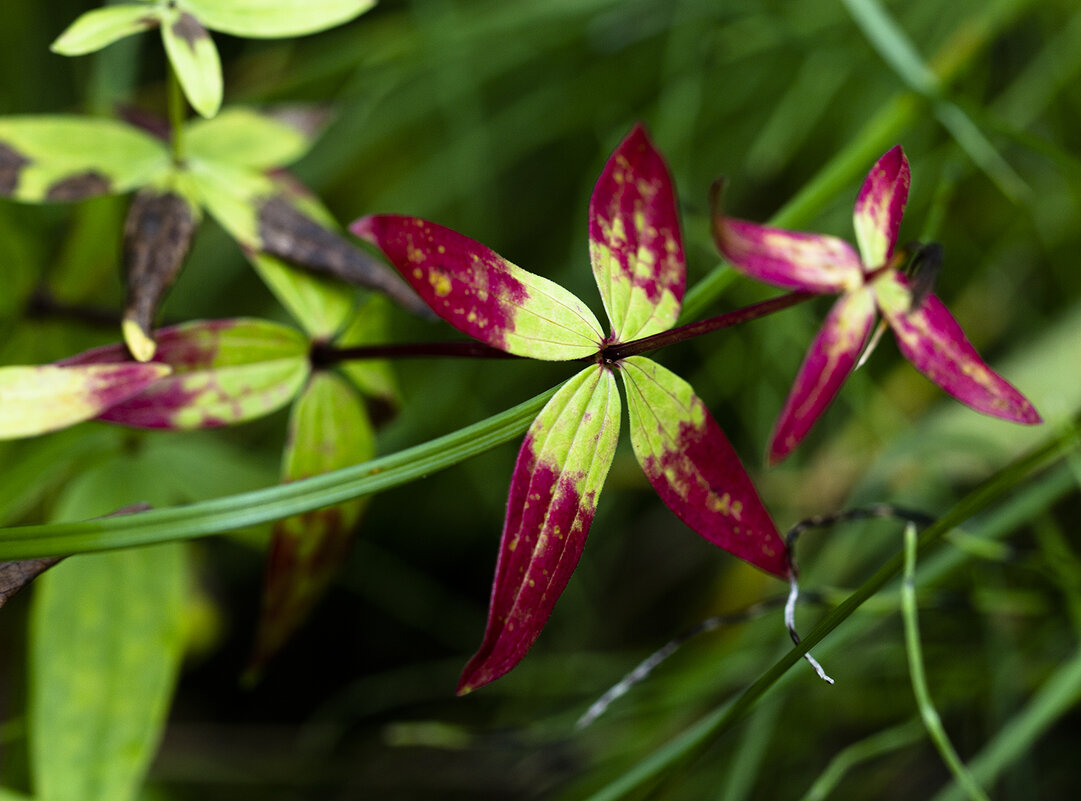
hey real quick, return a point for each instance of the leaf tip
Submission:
(141, 345)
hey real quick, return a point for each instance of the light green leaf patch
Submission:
(245, 138)
(374, 377)
(319, 305)
(107, 635)
(232, 195)
(102, 26)
(195, 59)
(275, 18)
(329, 429)
(57, 158)
(34, 400)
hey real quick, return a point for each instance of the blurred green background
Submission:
(495, 118)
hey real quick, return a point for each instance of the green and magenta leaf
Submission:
(634, 240)
(195, 60)
(694, 469)
(557, 478)
(101, 27)
(482, 294)
(223, 372)
(933, 341)
(34, 400)
(328, 429)
(880, 206)
(830, 359)
(57, 158)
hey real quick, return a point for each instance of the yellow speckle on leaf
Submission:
(440, 284)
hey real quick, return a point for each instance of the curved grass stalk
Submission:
(929, 714)
(272, 503)
(694, 740)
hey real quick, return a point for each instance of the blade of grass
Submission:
(1058, 695)
(844, 169)
(260, 506)
(897, 50)
(879, 743)
(690, 743)
(928, 713)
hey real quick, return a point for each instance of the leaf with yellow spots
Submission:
(560, 470)
(694, 469)
(482, 294)
(634, 240)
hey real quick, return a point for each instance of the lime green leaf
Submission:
(374, 377)
(103, 26)
(106, 642)
(34, 400)
(224, 372)
(232, 195)
(320, 305)
(195, 59)
(56, 158)
(274, 18)
(328, 429)
(246, 138)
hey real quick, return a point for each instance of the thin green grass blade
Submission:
(879, 743)
(261, 506)
(931, 720)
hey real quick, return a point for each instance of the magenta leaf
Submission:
(634, 240)
(789, 259)
(223, 372)
(832, 356)
(694, 469)
(482, 294)
(880, 206)
(559, 473)
(932, 340)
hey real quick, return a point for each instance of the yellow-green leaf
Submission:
(64, 158)
(275, 18)
(101, 27)
(244, 137)
(195, 59)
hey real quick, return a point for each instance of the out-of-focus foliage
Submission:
(493, 119)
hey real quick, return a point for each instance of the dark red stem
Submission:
(324, 354)
(624, 349)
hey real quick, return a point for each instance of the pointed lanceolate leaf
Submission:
(482, 294)
(273, 18)
(157, 235)
(694, 469)
(880, 206)
(246, 138)
(224, 372)
(634, 240)
(195, 60)
(831, 357)
(319, 305)
(932, 340)
(560, 470)
(101, 27)
(288, 234)
(57, 158)
(34, 400)
(328, 430)
(789, 259)
(373, 377)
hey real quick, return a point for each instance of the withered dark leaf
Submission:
(16, 575)
(157, 236)
(188, 28)
(924, 268)
(78, 187)
(290, 235)
(11, 164)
